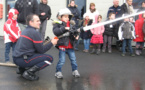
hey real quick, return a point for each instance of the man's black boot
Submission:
(30, 73)
(20, 70)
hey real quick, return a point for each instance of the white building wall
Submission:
(55, 5)
(2, 21)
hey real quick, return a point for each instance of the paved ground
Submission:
(103, 72)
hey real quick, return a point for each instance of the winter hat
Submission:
(12, 12)
(65, 11)
(86, 14)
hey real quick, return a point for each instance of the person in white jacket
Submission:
(92, 11)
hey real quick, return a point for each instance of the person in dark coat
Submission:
(114, 9)
(127, 8)
(117, 10)
(74, 10)
(108, 34)
(29, 51)
(44, 15)
(25, 8)
(86, 35)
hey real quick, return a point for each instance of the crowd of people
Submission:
(25, 29)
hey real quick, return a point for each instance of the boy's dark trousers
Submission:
(7, 50)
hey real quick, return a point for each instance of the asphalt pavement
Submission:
(98, 72)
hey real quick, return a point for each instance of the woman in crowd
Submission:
(92, 11)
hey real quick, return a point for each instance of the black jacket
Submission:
(30, 43)
(115, 10)
(124, 9)
(74, 10)
(26, 7)
(44, 8)
(110, 29)
(59, 29)
(86, 34)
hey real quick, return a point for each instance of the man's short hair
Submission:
(30, 18)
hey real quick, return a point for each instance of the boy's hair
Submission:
(100, 16)
(30, 18)
(111, 13)
(72, 1)
(143, 2)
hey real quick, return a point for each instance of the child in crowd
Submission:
(86, 35)
(97, 37)
(126, 33)
(11, 33)
(139, 34)
(65, 44)
(108, 34)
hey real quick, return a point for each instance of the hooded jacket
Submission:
(98, 30)
(58, 30)
(11, 29)
(139, 29)
(26, 7)
(139, 10)
(126, 31)
(44, 8)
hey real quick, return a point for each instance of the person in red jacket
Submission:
(11, 33)
(139, 34)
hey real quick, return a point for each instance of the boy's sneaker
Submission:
(58, 75)
(76, 74)
(133, 55)
(76, 49)
(123, 54)
(98, 51)
(137, 52)
(85, 51)
(103, 50)
(109, 51)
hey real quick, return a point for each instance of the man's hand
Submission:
(43, 14)
(67, 28)
(54, 41)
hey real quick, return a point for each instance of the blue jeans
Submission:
(7, 50)
(72, 57)
(127, 41)
(86, 44)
